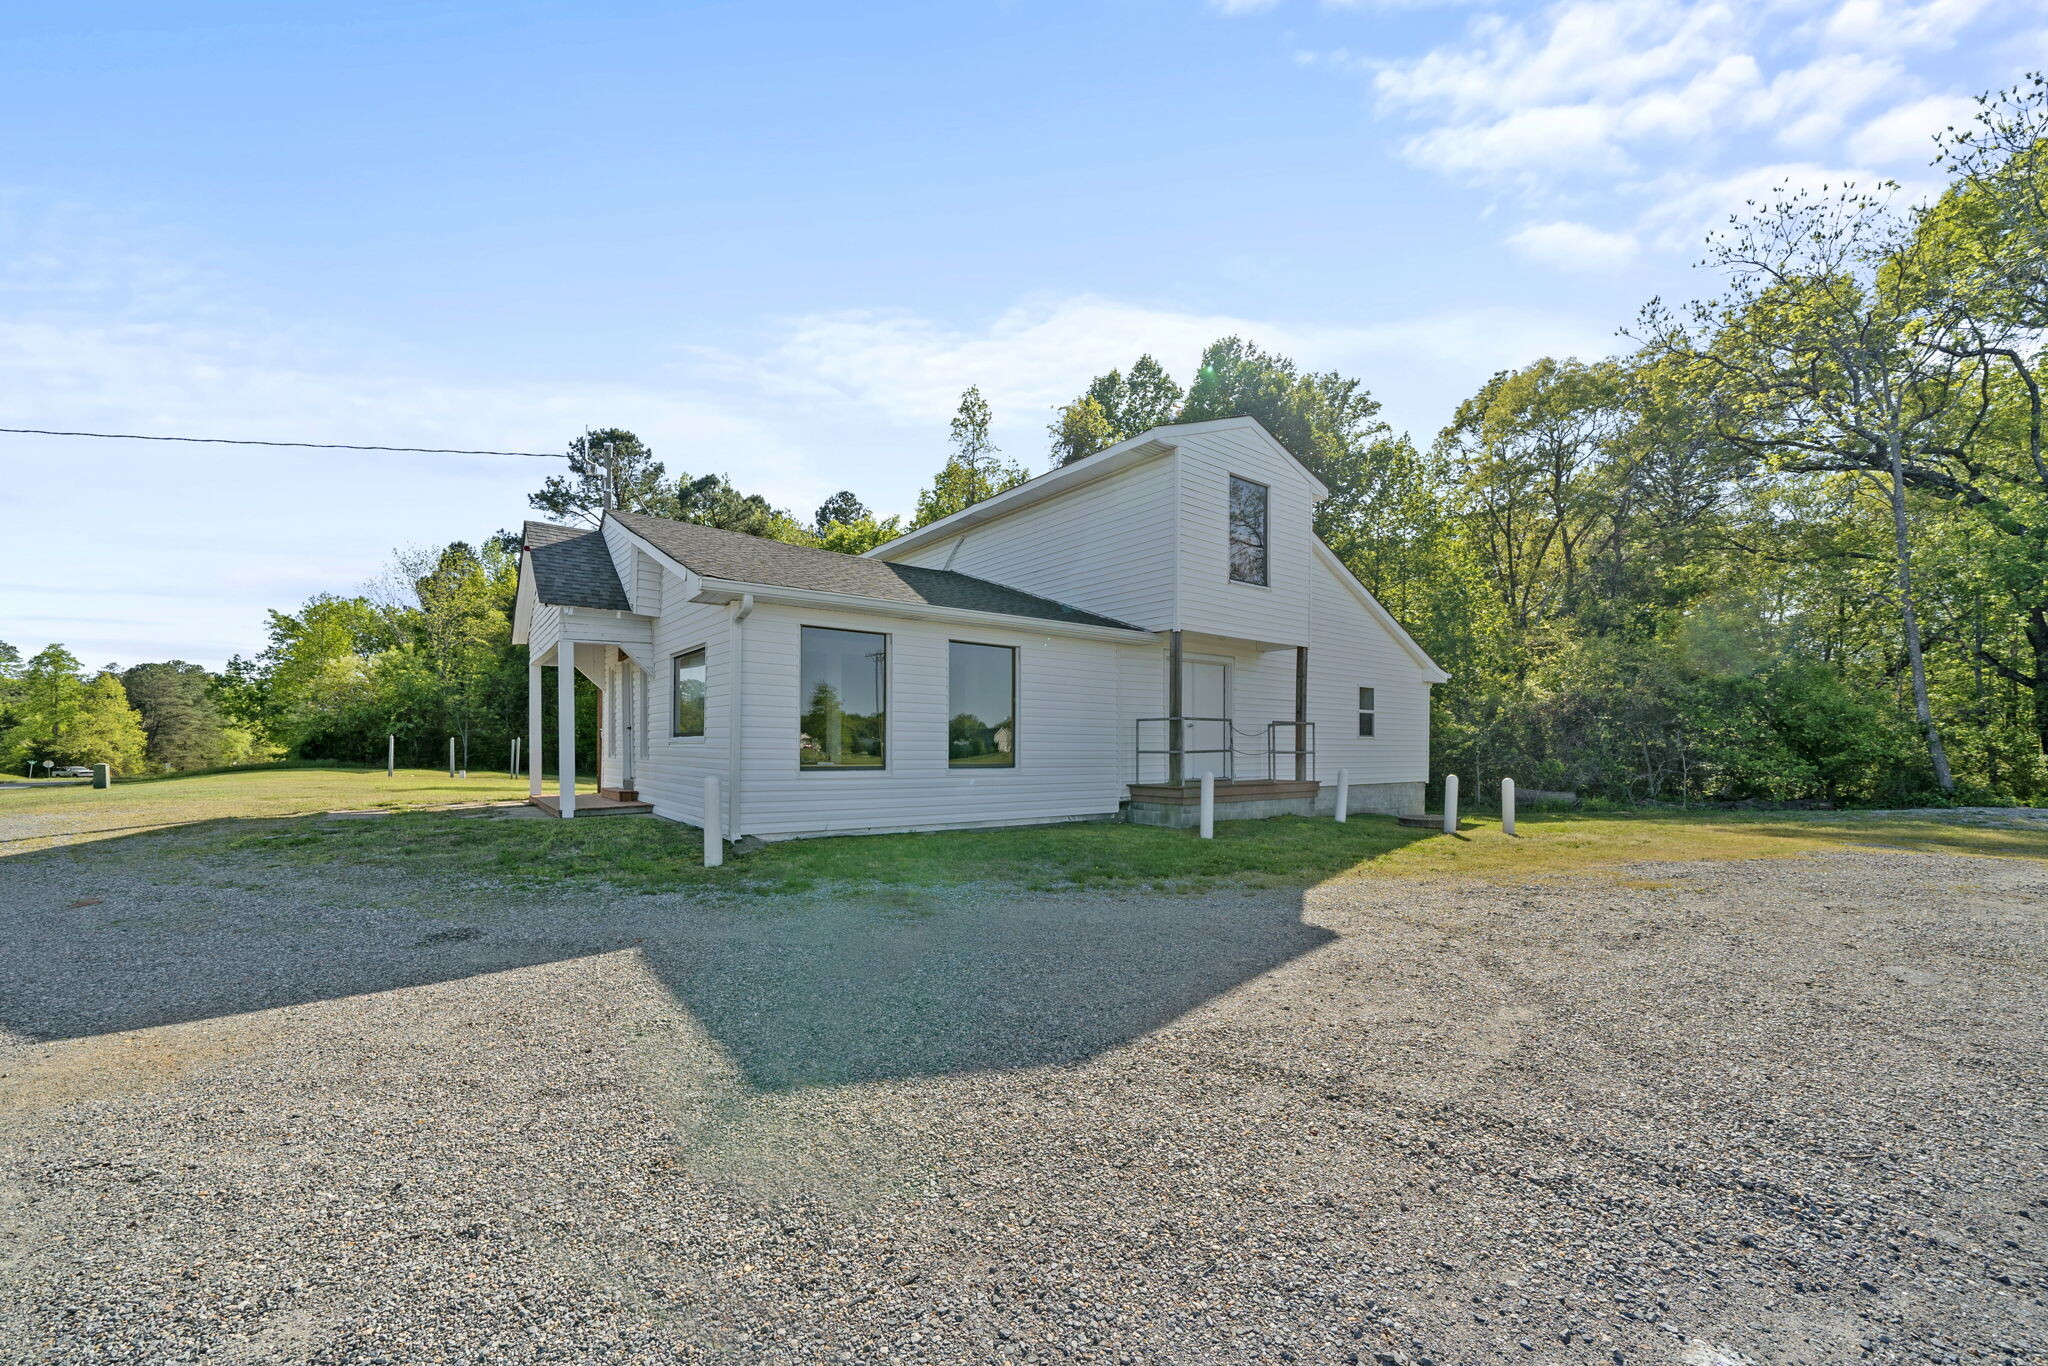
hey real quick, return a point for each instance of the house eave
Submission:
(729, 590)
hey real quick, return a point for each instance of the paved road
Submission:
(1783, 1112)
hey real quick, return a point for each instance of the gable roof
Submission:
(738, 558)
(572, 567)
(1109, 460)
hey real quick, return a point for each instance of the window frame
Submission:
(1230, 532)
(675, 693)
(1368, 712)
(1016, 668)
(888, 640)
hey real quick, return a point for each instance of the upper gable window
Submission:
(1247, 531)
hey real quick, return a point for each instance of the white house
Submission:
(1083, 646)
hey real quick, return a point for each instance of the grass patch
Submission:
(35, 817)
(649, 855)
(264, 813)
(646, 855)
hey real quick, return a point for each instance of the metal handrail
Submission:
(1305, 745)
(1229, 752)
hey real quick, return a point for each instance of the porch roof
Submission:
(572, 567)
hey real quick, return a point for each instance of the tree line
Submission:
(1790, 543)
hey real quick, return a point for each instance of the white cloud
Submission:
(1896, 25)
(1591, 87)
(1650, 120)
(1041, 353)
(1565, 245)
(1905, 133)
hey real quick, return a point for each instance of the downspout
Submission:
(735, 740)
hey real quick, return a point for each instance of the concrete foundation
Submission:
(1374, 799)
(1367, 799)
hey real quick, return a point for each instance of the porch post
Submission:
(565, 726)
(597, 758)
(1301, 713)
(534, 751)
(1175, 740)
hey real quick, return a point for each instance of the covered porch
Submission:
(1237, 710)
(614, 651)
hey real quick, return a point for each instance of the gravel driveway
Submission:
(1784, 1111)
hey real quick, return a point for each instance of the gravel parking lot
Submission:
(1776, 1111)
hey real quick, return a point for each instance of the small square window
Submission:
(1365, 711)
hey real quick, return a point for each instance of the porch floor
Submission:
(591, 804)
(1227, 790)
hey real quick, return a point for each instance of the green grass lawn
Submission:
(275, 814)
(30, 817)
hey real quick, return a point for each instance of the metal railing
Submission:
(1184, 751)
(1217, 741)
(1299, 754)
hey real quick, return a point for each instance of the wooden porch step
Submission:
(1247, 790)
(592, 804)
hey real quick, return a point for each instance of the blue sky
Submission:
(777, 241)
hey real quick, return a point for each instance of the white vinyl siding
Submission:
(672, 773)
(1066, 704)
(1105, 546)
(1352, 650)
(1210, 601)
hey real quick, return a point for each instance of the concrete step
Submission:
(1427, 821)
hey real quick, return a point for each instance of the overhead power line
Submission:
(303, 445)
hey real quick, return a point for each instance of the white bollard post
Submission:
(1343, 795)
(390, 756)
(714, 819)
(1208, 806)
(451, 756)
(512, 769)
(1507, 806)
(1450, 803)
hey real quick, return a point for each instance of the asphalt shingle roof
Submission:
(741, 558)
(573, 568)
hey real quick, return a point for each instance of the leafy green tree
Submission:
(841, 508)
(861, 535)
(180, 717)
(1987, 243)
(106, 729)
(973, 472)
(48, 693)
(1820, 358)
(61, 716)
(711, 500)
(1079, 430)
(1151, 399)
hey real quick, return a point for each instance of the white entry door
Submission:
(1205, 700)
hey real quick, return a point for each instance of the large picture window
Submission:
(1247, 531)
(689, 712)
(843, 695)
(981, 685)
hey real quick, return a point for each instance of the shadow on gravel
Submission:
(824, 991)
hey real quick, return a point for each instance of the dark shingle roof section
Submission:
(572, 567)
(740, 558)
